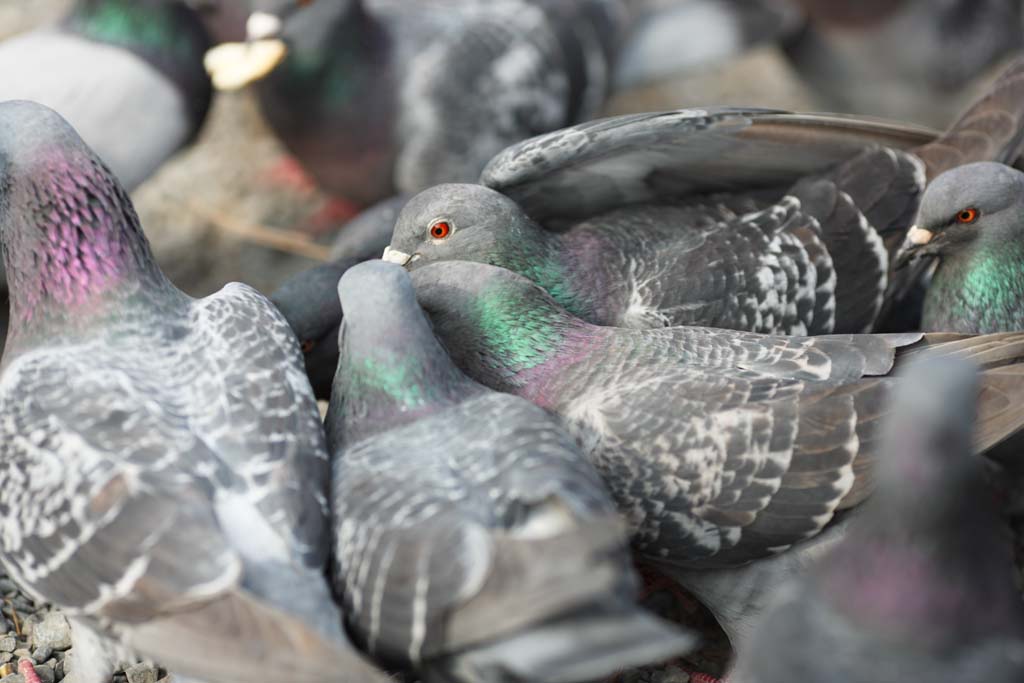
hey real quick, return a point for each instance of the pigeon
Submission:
(912, 60)
(922, 588)
(722, 448)
(309, 303)
(473, 540)
(991, 129)
(127, 74)
(163, 477)
(378, 97)
(786, 208)
(971, 222)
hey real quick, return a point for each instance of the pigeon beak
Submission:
(913, 246)
(233, 66)
(262, 26)
(399, 257)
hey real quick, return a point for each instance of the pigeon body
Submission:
(377, 97)
(910, 60)
(972, 223)
(698, 432)
(724, 450)
(922, 588)
(468, 524)
(164, 468)
(127, 74)
(682, 232)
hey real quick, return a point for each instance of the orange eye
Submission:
(967, 216)
(440, 230)
(308, 345)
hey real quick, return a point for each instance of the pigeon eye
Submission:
(440, 229)
(967, 216)
(308, 345)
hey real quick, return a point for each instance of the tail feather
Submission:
(585, 645)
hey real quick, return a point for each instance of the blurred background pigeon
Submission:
(922, 588)
(377, 97)
(127, 74)
(913, 60)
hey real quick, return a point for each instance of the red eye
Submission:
(307, 346)
(967, 216)
(440, 230)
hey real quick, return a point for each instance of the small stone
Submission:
(42, 653)
(8, 643)
(22, 653)
(7, 586)
(141, 673)
(672, 674)
(53, 632)
(58, 671)
(7, 670)
(13, 678)
(6, 657)
(45, 673)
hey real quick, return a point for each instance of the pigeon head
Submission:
(309, 302)
(929, 560)
(169, 34)
(980, 201)
(391, 367)
(495, 323)
(302, 34)
(466, 223)
(70, 236)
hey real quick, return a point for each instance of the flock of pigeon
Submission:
(775, 358)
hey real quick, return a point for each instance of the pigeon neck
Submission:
(391, 378)
(559, 264)
(73, 249)
(167, 34)
(515, 339)
(981, 287)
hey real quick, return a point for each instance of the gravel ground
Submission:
(224, 180)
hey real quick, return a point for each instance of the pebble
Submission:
(141, 673)
(53, 632)
(672, 674)
(8, 643)
(6, 657)
(13, 678)
(42, 653)
(7, 586)
(22, 653)
(46, 673)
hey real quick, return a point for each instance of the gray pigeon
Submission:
(375, 97)
(972, 223)
(912, 60)
(754, 220)
(922, 588)
(473, 540)
(127, 74)
(163, 472)
(720, 447)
